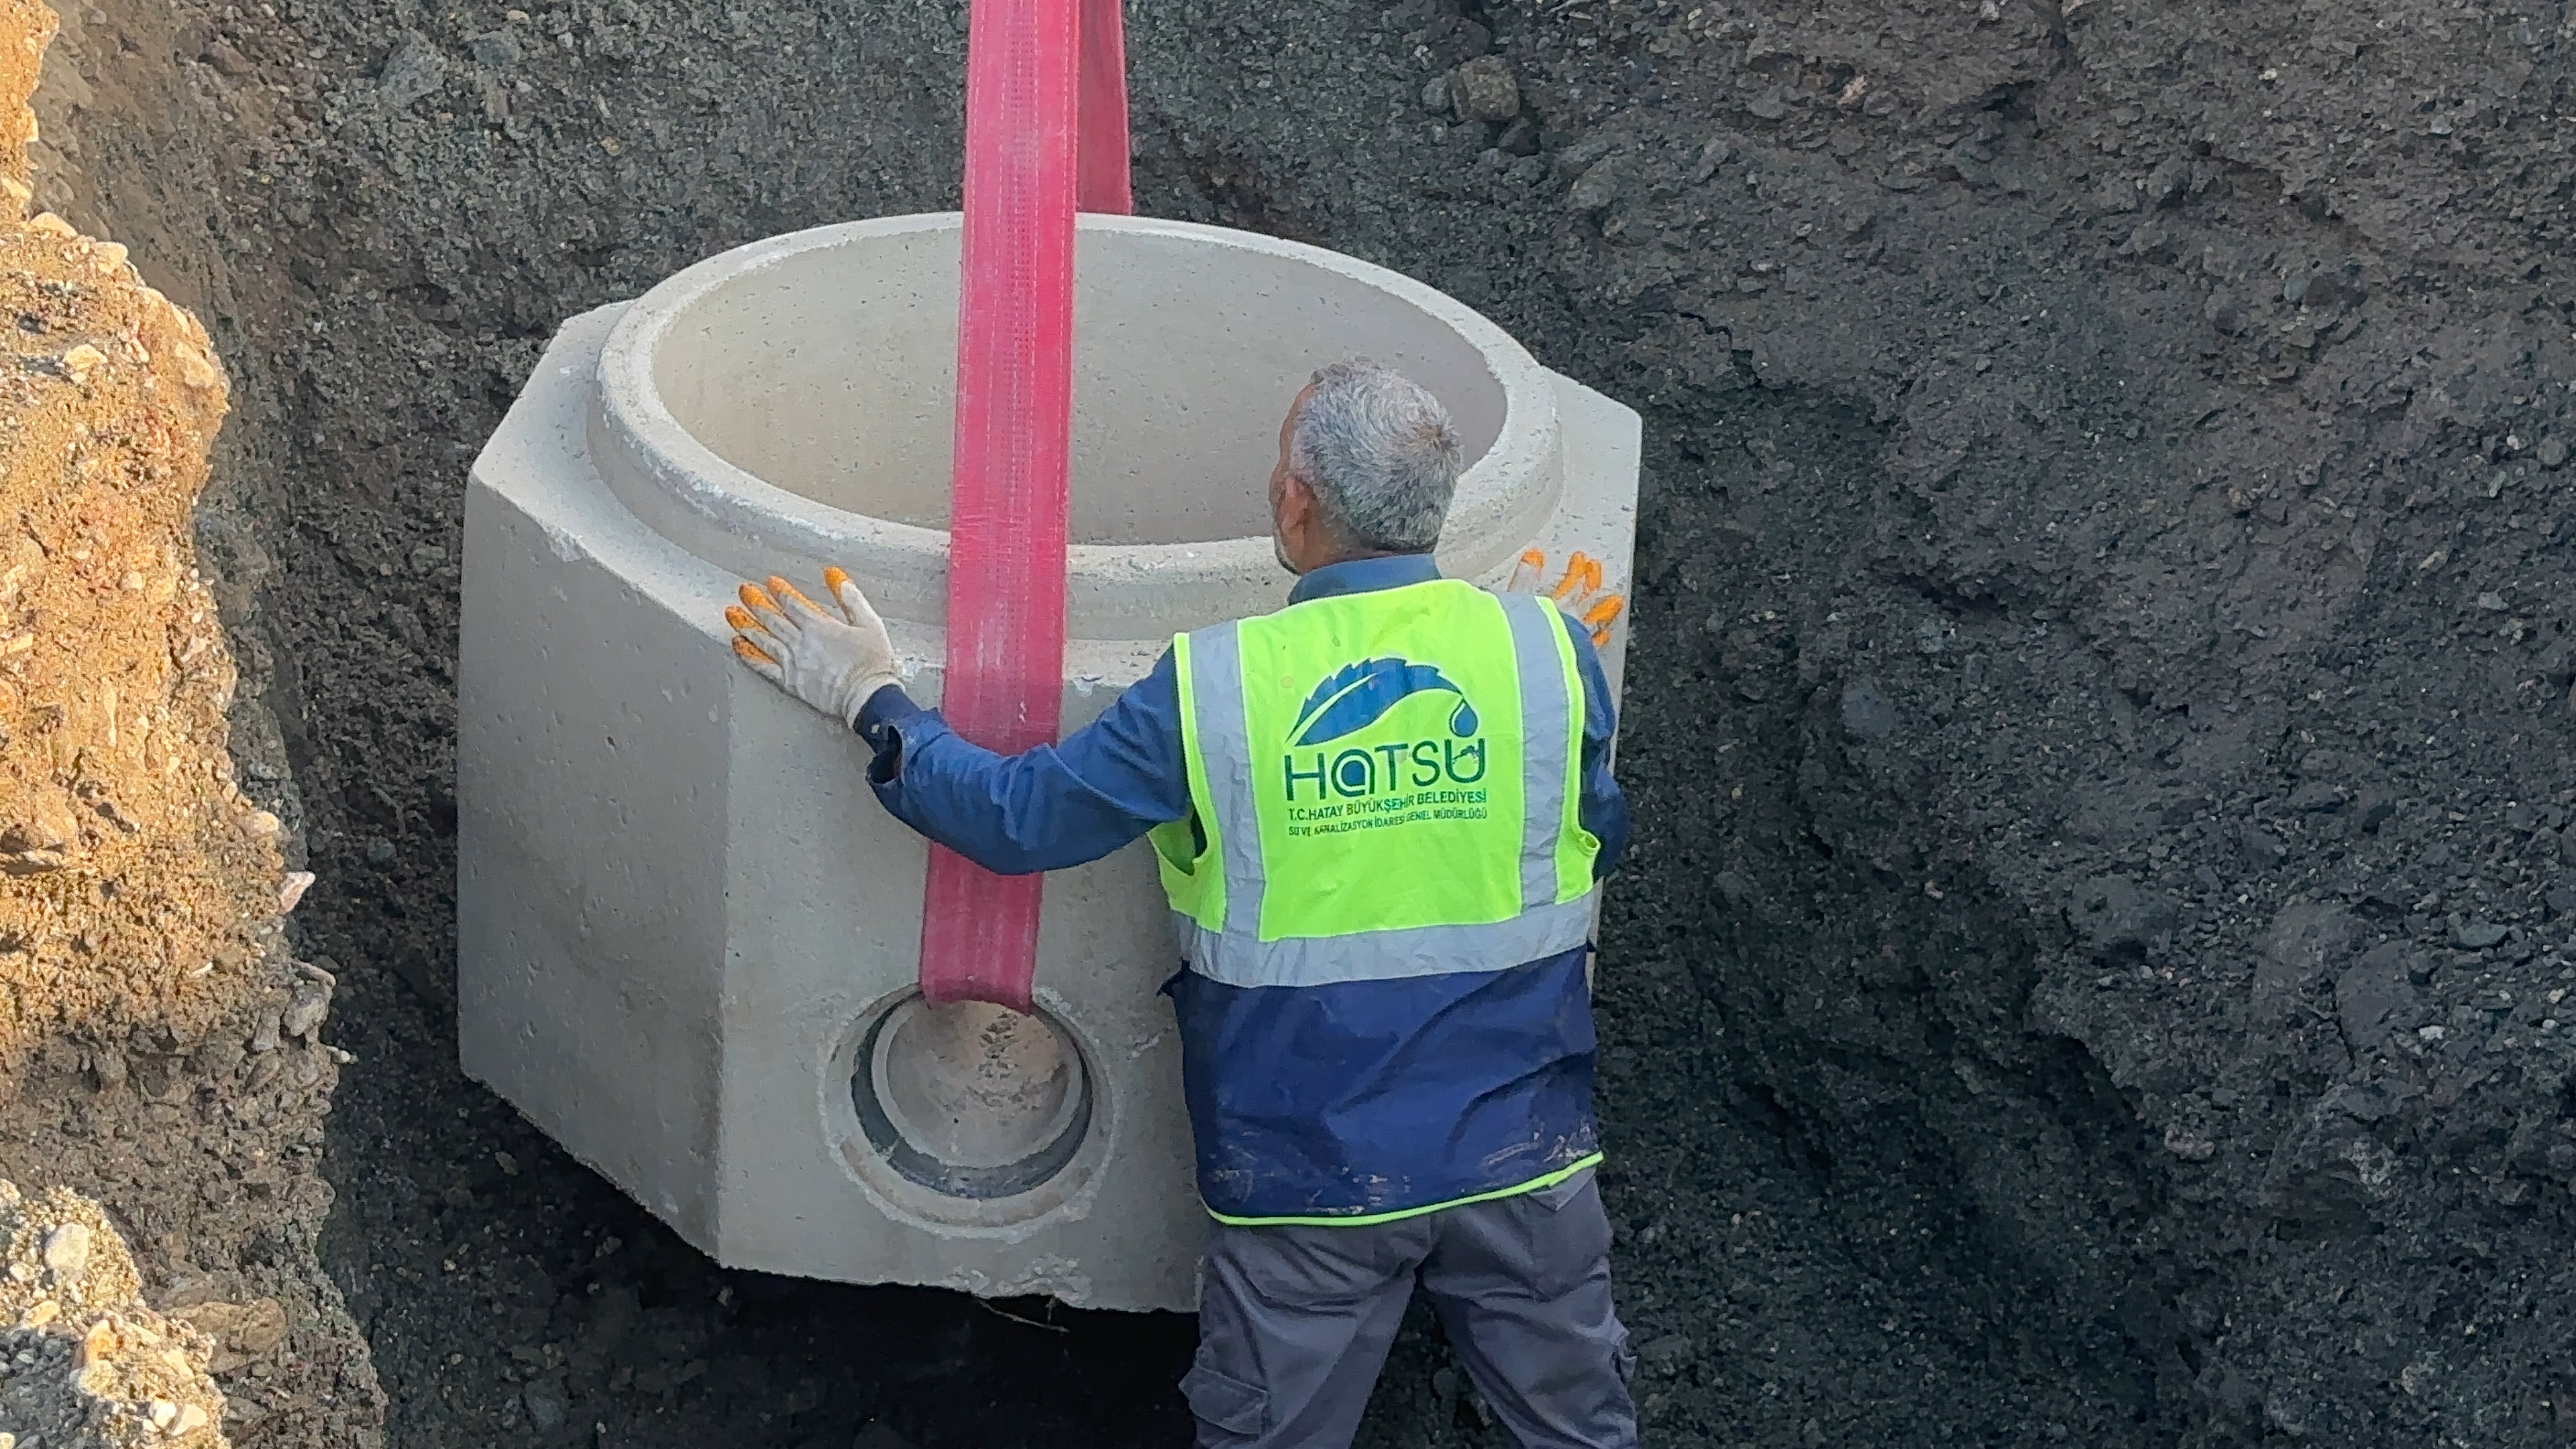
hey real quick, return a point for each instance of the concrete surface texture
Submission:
(688, 935)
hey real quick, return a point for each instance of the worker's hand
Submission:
(1580, 591)
(832, 659)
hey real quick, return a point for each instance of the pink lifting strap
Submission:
(1010, 491)
(1104, 184)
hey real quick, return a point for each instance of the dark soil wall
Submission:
(2099, 713)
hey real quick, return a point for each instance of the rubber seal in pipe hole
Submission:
(870, 1094)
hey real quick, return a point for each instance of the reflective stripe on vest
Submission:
(1224, 896)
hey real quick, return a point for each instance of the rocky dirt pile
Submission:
(160, 1045)
(142, 888)
(87, 1363)
(22, 57)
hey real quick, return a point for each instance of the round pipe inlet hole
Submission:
(971, 1100)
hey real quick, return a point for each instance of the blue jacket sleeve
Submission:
(1603, 809)
(1119, 776)
(1045, 809)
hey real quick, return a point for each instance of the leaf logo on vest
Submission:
(1371, 781)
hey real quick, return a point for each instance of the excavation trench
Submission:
(2056, 837)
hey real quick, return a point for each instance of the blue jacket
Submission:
(1356, 1099)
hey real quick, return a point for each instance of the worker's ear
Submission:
(1294, 499)
(1299, 516)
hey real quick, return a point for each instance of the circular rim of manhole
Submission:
(900, 1146)
(725, 515)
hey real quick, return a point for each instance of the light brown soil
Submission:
(140, 887)
(26, 28)
(159, 1048)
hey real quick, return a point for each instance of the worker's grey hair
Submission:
(1380, 454)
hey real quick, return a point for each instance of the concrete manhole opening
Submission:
(829, 373)
(971, 1100)
(791, 404)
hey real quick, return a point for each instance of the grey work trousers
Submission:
(1294, 1322)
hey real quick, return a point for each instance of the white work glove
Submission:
(832, 661)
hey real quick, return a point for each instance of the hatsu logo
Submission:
(1332, 776)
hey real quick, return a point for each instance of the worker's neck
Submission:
(1326, 580)
(1343, 556)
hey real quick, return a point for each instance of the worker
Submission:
(1380, 814)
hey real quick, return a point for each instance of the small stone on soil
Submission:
(2315, 797)
(67, 1250)
(1484, 89)
(413, 70)
(2477, 935)
(546, 1403)
(1596, 188)
(2188, 1145)
(495, 48)
(227, 58)
(1579, 157)
(1711, 156)
(1867, 711)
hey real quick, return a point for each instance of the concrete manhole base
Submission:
(688, 935)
